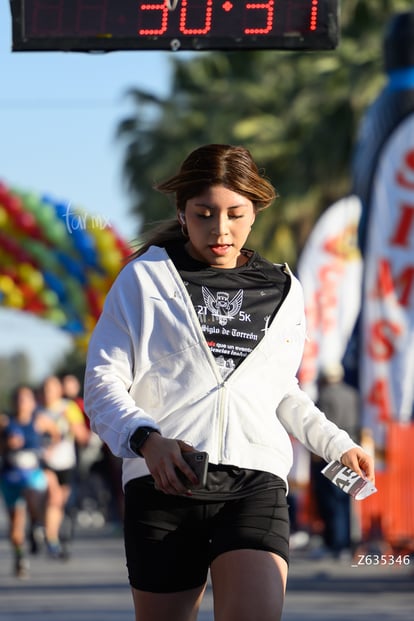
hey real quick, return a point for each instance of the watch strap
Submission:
(139, 437)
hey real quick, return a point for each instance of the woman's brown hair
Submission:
(214, 164)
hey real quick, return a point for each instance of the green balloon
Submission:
(56, 233)
(49, 298)
(45, 215)
(31, 202)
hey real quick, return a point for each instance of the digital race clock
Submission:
(104, 25)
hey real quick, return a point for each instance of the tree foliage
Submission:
(14, 370)
(297, 112)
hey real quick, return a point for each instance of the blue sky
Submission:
(58, 115)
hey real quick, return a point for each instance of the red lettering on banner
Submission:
(379, 396)
(401, 177)
(405, 224)
(381, 345)
(406, 280)
(332, 245)
(327, 295)
(385, 284)
(321, 315)
(402, 285)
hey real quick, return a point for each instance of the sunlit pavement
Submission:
(92, 585)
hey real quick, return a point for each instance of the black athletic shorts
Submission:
(64, 477)
(170, 541)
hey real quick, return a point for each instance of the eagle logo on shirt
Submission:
(221, 306)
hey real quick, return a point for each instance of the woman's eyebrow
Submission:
(209, 206)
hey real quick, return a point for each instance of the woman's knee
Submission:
(249, 585)
(178, 606)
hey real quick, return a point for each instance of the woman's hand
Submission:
(360, 462)
(163, 457)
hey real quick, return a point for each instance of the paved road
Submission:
(92, 586)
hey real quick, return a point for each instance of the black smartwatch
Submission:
(139, 437)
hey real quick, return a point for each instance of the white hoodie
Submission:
(149, 364)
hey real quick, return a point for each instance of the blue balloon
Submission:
(84, 243)
(73, 267)
(55, 284)
(62, 210)
(74, 326)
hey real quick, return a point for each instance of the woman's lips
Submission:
(220, 249)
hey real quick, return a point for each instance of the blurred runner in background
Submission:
(23, 481)
(61, 459)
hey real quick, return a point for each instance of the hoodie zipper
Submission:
(221, 386)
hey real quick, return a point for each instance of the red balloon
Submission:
(13, 248)
(32, 302)
(12, 204)
(27, 223)
(94, 302)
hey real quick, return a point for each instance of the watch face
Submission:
(139, 437)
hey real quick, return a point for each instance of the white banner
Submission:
(387, 364)
(330, 270)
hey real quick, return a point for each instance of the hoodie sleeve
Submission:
(308, 424)
(113, 413)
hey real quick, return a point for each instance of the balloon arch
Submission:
(56, 261)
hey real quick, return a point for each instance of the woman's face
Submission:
(218, 223)
(52, 390)
(25, 401)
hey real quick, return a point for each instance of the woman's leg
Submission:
(18, 525)
(248, 585)
(181, 606)
(54, 508)
(167, 553)
(17, 535)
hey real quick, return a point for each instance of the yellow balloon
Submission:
(15, 298)
(97, 281)
(104, 239)
(6, 284)
(82, 342)
(111, 261)
(4, 218)
(31, 275)
(90, 323)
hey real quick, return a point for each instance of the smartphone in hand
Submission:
(198, 462)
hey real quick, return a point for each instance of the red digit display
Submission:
(92, 25)
(267, 9)
(206, 18)
(162, 15)
(313, 24)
